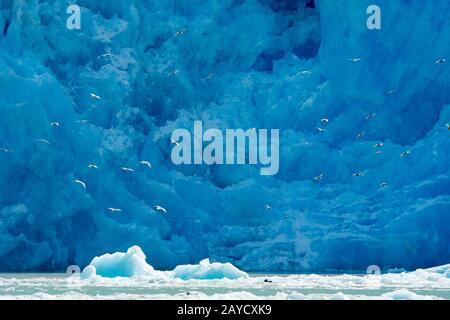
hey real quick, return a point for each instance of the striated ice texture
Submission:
(238, 64)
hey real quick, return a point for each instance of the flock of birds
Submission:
(174, 72)
(361, 135)
(82, 183)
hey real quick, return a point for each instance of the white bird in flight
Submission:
(92, 166)
(383, 184)
(173, 73)
(94, 96)
(361, 135)
(55, 124)
(354, 59)
(146, 163)
(405, 154)
(357, 174)
(81, 183)
(174, 142)
(115, 210)
(325, 120)
(104, 56)
(303, 73)
(389, 92)
(441, 61)
(378, 145)
(321, 129)
(319, 177)
(209, 76)
(42, 141)
(83, 121)
(161, 209)
(268, 207)
(125, 169)
(180, 33)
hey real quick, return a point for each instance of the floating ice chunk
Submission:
(120, 264)
(444, 270)
(208, 271)
(89, 273)
(406, 295)
(205, 262)
(133, 263)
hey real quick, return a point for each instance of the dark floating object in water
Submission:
(267, 281)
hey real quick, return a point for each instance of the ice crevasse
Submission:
(239, 65)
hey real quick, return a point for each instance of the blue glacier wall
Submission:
(255, 50)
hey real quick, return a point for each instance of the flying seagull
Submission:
(81, 183)
(441, 61)
(383, 184)
(104, 56)
(303, 73)
(42, 141)
(319, 177)
(209, 76)
(268, 207)
(389, 92)
(180, 33)
(115, 210)
(159, 208)
(54, 124)
(82, 121)
(94, 96)
(321, 129)
(146, 163)
(174, 142)
(361, 135)
(173, 73)
(354, 59)
(125, 169)
(405, 154)
(357, 174)
(92, 166)
(325, 120)
(378, 145)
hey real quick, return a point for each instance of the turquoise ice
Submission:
(136, 70)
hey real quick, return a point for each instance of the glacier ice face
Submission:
(255, 50)
(133, 264)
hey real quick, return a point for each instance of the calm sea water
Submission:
(416, 285)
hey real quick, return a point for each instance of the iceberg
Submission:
(119, 264)
(133, 264)
(208, 271)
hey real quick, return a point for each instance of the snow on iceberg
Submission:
(133, 263)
